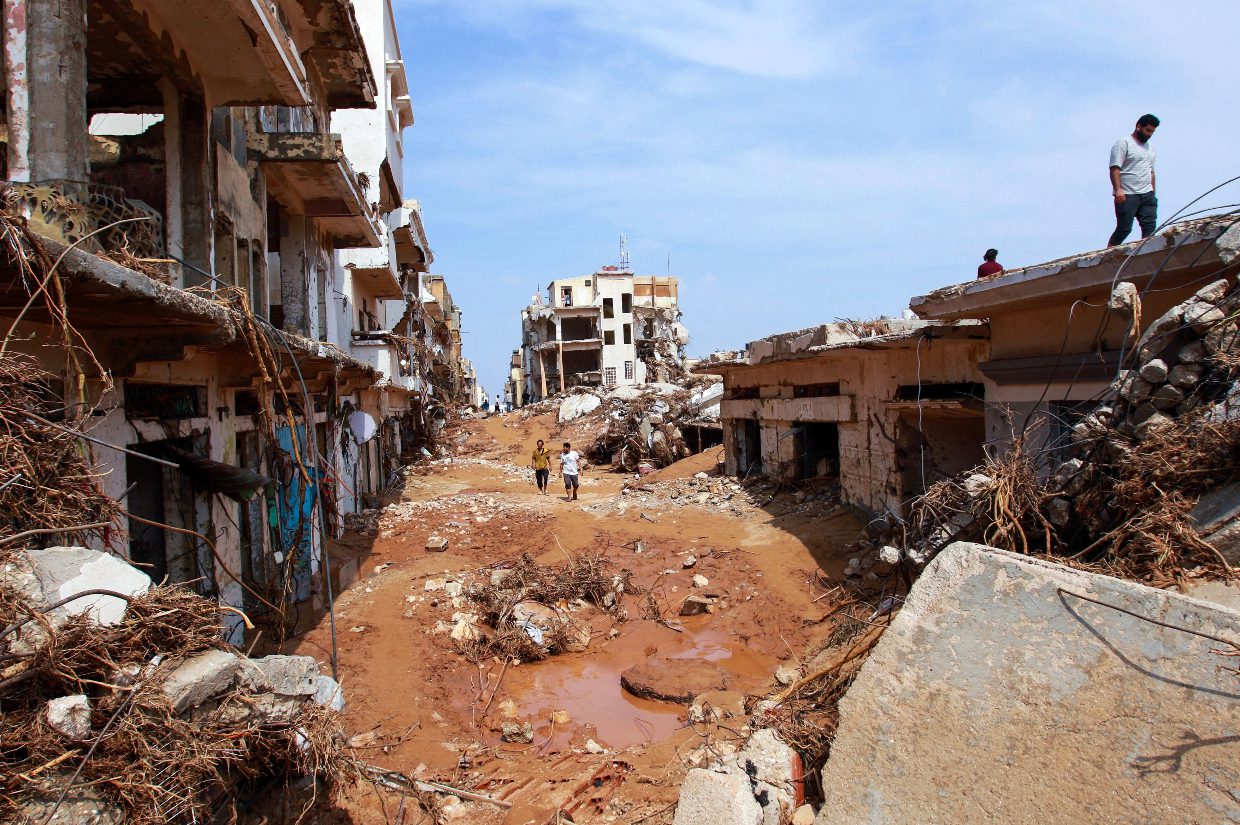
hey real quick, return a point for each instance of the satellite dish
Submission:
(363, 426)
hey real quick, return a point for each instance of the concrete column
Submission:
(56, 73)
(294, 264)
(197, 191)
(17, 89)
(560, 354)
(174, 233)
(542, 372)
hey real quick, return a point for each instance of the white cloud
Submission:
(791, 39)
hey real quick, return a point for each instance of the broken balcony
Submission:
(312, 176)
(244, 52)
(98, 219)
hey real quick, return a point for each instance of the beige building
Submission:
(246, 270)
(1056, 343)
(887, 409)
(611, 328)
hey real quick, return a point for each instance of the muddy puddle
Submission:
(587, 685)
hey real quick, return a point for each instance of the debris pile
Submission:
(532, 611)
(637, 428)
(1146, 469)
(121, 702)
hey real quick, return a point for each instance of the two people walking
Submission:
(571, 465)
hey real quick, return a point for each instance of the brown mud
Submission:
(598, 753)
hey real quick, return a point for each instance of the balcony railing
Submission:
(69, 211)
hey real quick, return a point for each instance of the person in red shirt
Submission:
(989, 265)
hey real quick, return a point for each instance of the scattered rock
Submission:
(787, 673)
(1059, 511)
(286, 675)
(200, 678)
(518, 732)
(1167, 397)
(594, 747)
(700, 581)
(711, 797)
(577, 405)
(1154, 371)
(689, 562)
(1184, 376)
(436, 544)
(673, 680)
(696, 606)
(70, 717)
(804, 815)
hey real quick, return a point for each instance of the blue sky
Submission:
(799, 160)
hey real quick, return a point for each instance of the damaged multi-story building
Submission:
(611, 328)
(888, 407)
(240, 291)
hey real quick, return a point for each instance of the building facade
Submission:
(611, 328)
(885, 411)
(242, 303)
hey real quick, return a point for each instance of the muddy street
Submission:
(761, 564)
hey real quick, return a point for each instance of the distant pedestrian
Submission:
(570, 466)
(540, 460)
(486, 405)
(499, 405)
(989, 265)
(1132, 181)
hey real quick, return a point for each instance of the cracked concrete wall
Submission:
(997, 695)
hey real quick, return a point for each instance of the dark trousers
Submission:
(540, 477)
(1144, 208)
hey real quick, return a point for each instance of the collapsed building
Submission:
(893, 406)
(1026, 599)
(885, 407)
(608, 329)
(209, 251)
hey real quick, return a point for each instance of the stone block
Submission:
(69, 716)
(1154, 371)
(696, 606)
(328, 692)
(288, 675)
(717, 798)
(436, 544)
(200, 678)
(999, 695)
(1184, 376)
(56, 573)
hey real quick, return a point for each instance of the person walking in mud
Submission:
(540, 460)
(571, 463)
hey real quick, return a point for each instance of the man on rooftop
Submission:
(1132, 181)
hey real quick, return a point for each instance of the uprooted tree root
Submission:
(1141, 499)
(46, 478)
(153, 765)
(590, 578)
(806, 713)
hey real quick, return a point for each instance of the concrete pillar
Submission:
(197, 192)
(17, 89)
(174, 233)
(56, 74)
(294, 264)
(560, 354)
(542, 372)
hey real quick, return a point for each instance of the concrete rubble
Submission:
(641, 427)
(1012, 689)
(755, 786)
(209, 691)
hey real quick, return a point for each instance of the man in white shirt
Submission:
(570, 460)
(1132, 181)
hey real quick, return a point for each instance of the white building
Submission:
(611, 328)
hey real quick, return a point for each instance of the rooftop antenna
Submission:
(624, 251)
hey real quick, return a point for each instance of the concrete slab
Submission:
(999, 694)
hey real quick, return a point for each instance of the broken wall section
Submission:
(1010, 689)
